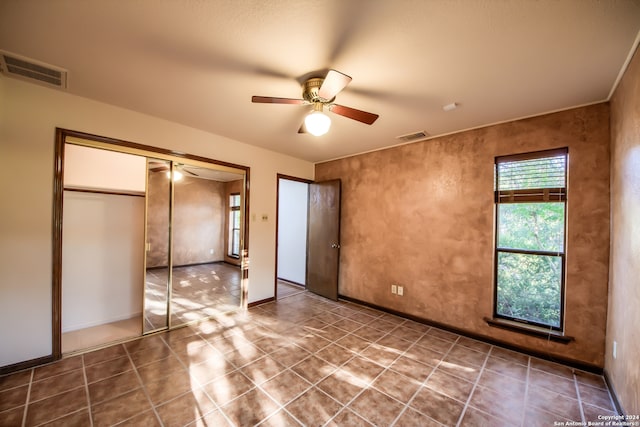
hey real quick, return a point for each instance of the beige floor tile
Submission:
(376, 407)
(262, 370)
(497, 404)
(286, 386)
(313, 408)
(396, 385)
(103, 355)
(13, 397)
(15, 380)
(57, 368)
(261, 407)
(120, 408)
(363, 369)
(335, 354)
(185, 408)
(475, 418)
(412, 368)
(145, 419)
(169, 387)
(502, 383)
(348, 418)
(12, 417)
(555, 403)
(313, 369)
(553, 383)
(449, 385)
(510, 355)
(228, 387)
(302, 360)
(412, 418)
(161, 368)
(342, 386)
(76, 419)
(56, 406)
(114, 386)
(535, 417)
(56, 385)
(506, 367)
(437, 406)
(107, 369)
(595, 396)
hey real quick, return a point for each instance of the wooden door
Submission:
(323, 238)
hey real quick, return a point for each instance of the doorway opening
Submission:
(153, 240)
(291, 240)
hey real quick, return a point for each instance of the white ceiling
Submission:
(198, 62)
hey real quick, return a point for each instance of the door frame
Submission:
(278, 178)
(113, 144)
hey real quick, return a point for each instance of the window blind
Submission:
(532, 180)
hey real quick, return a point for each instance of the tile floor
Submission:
(302, 360)
(287, 289)
(198, 292)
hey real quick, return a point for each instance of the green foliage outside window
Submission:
(530, 244)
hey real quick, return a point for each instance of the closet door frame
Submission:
(64, 136)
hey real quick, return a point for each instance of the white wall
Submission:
(102, 259)
(86, 167)
(29, 115)
(292, 230)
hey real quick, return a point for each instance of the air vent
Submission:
(32, 71)
(416, 136)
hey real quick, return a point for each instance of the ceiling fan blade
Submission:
(333, 83)
(352, 113)
(189, 172)
(272, 100)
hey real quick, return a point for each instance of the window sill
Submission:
(535, 331)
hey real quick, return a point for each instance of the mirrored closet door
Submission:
(157, 245)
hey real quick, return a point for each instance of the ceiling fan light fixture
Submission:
(177, 175)
(317, 123)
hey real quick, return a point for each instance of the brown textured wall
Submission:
(624, 287)
(157, 219)
(198, 220)
(422, 215)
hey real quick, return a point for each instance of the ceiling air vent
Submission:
(32, 71)
(416, 136)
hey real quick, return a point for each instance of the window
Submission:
(234, 225)
(530, 196)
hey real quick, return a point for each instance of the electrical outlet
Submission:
(401, 290)
(211, 251)
(615, 349)
(394, 289)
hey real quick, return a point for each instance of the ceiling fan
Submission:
(178, 172)
(321, 92)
